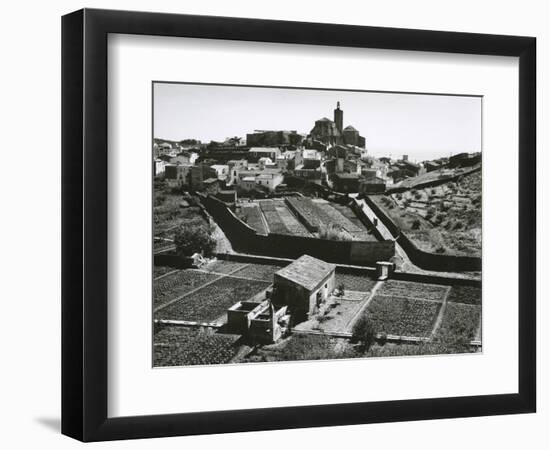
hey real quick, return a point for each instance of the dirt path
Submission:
(363, 307)
(439, 319)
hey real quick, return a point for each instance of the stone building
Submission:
(177, 175)
(372, 185)
(346, 182)
(331, 132)
(303, 285)
(269, 138)
(260, 321)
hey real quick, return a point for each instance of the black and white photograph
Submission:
(299, 224)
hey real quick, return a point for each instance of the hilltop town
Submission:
(282, 245)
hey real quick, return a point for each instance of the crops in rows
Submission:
(336, 217)
(465, 294)
(355, 282)
(460, 321)
(161, 270)
(223, 266)
(280, 220)
(178, 284)
(211, 302)
(181, 346)
(422, 291)
(293, 226)
(310, 214)
(259, 272)
(299, 347)
(362, 233)
(402, 316)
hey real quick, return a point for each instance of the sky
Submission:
(419, 125)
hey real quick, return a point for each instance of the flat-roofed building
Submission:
(255, 153)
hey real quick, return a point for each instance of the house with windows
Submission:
(303, 286)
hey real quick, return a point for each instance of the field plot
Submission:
(280, 220)
(312, 216)
(402, 316)
(354, 228)
(260, 272)
(355, 282)
(182, 346)
(178, 284)
(337, 316)
(251, 215)
(300, 347)
(211, 302)
(362, 234)
(460, 321)
(161, 270)
(223, 267)
(421, 291)
(465, 294)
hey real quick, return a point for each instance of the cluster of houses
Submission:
(330, 155)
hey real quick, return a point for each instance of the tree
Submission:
(363, 332)
(194, 236)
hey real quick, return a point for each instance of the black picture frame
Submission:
(84, 224)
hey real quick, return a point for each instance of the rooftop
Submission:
(347, 176)
(264, 149)
(307, 271)
(349, 128)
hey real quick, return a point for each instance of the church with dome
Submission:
(331, 132)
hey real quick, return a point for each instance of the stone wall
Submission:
(421, 258)
(245, 240)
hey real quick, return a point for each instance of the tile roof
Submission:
(307, 271)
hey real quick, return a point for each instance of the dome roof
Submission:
(349, 128)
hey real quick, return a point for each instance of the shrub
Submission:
(332, 232)
(415, 224)
(363, 332)
(341, 288)
(194, 236)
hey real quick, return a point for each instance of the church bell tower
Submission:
(339, 117)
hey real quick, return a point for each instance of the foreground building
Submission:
(303, 285)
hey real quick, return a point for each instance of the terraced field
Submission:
(212, 301)
(403, 316)
(181, 346)
(422, 291)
